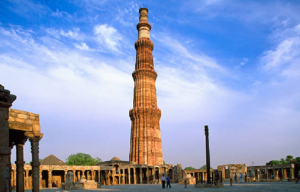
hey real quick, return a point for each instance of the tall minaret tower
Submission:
(145, 139)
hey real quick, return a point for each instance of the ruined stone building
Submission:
(16, 127)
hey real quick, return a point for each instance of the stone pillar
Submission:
(105, 177)
(93, 175)
(6, 100)
(65, 176)
(50, 178)
(113, 178)
(141, 175)
(88, 175)
(34, 138)
(285, 174)
(83, 174)
(74, 173)
(40, 178)
(129, 182)
(78, 175)
(159, 181)
(153, 174)
(134, 175)
(173, 176)
(20, 166)
(207, 154)
(99, 174)
(147, 175)
(15, 178)
(27, 179)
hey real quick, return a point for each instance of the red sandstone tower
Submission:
(145, 139)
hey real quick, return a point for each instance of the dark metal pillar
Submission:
(207, 154)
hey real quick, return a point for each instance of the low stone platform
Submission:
(245, 187)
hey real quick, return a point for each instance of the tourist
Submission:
(168, 181)
(246, 177)
(241, 177)
(163, 181)
(235, 177)
(217, 176)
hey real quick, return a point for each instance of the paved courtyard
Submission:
(244, 187)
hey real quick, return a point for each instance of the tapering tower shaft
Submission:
(145, 139)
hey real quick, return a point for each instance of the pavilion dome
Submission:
(115, 159)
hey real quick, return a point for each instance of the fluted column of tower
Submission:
(145, 140)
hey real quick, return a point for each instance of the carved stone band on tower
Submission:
(145, 140)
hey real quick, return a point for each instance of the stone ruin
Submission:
(188, 179)
(80, 184)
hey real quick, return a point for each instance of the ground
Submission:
(245, 187)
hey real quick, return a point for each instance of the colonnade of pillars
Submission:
(20, 177)
(201, 177)
(139, 175)
(273, 173)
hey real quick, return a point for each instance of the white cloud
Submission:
(199, 60)
(126, 15)
(284, 59)
(109, 36)
(245, 60)
(61, 14)
(72, 34)
(83, 46)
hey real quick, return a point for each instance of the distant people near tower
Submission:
(145, 138)
(241, 177)
(168, 181)
(163, 181)
(217, 177)
(235, 177)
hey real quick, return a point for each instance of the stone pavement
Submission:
(243, 187)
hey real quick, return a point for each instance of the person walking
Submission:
(235, 177)
(217, 176)
(241, 177)
(168, 181)
(163, 181)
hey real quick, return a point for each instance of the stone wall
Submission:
(24, 121)
(229, 170)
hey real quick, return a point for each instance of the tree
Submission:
(289, 158)
(189, 168)
(82, 159)
(297, 160)
(273, 162)
(164, 162)
(204, 167)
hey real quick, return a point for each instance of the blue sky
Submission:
(233, 65)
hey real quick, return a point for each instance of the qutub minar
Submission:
(145, 139)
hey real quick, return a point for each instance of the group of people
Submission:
(241, 177)
(163, 181)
